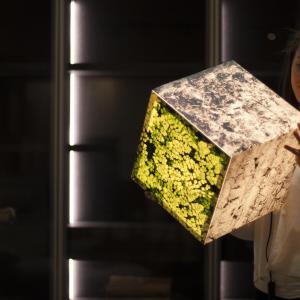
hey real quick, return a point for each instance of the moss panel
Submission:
(179, 166)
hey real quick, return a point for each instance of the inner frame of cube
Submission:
(181, 168)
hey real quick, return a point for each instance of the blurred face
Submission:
(295, 75)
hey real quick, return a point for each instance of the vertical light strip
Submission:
(73, 31)
(72, 187)
(72, 138)
(72, 278)
(73, 109)
(73, 113)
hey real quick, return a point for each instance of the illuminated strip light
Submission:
(73, 110)
(73, 171)
(72, 279)
(74, 11)
(72, 139)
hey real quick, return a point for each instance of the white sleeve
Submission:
(246, 232)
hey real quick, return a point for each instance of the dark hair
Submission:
(289, 53)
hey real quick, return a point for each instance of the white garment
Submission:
(284, 246)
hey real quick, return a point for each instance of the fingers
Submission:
(148, 195)
(293, 150)
(297, 136)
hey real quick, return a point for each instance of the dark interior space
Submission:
(25, 89)
(254, 33)
(122, 50)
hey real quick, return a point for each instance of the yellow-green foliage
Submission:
(181, 169)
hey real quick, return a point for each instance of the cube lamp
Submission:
(211, 150)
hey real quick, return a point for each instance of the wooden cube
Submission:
(212, 152)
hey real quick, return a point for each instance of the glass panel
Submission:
(132, 47)
(108, 122)
(100, 193)
(110, 107)
(113, 32)
(176, 278)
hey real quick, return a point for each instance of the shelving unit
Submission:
(108, 57)
(123, 235)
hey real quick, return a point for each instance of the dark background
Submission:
(126, 49)
(25, 100)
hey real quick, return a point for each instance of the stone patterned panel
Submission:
(230, 107)
(256, 183)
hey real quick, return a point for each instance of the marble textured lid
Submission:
(230, 106)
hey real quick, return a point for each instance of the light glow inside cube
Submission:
(181, 168)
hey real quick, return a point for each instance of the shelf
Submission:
(28, 241)
(106, 145)
(17, 69)
(24, 148)
(130, 298)
(153, 69)
(137, 69)
(91, 298)
(122, 225)
(140, 242)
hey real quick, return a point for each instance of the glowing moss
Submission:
(181, 169)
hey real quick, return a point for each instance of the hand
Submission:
(7, 215)
(294, 150)
(149, 196)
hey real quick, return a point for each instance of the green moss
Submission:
(183, 171)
